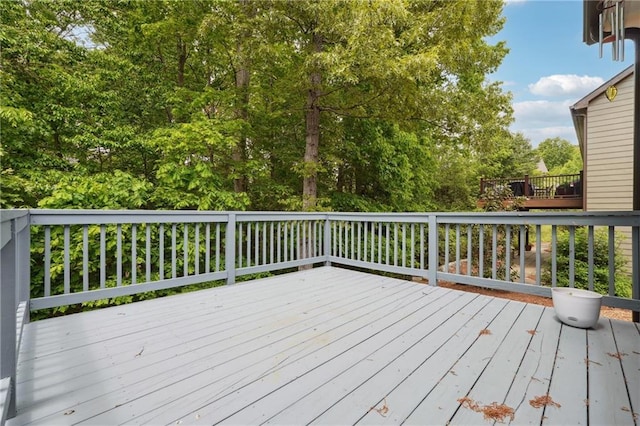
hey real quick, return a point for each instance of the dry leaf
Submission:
(382, 410)
(618, 355)
(484, 331)
(532, 332)
(542, 401)
(494, 411)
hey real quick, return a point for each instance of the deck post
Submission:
(8, 276)
(327, 241)
(433, 250)
(526, 186)
(230, 249)
(23, 262)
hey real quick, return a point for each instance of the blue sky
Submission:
(548, 67)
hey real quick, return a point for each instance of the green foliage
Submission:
(117, 190)
(510, 156)
(581, 263)
(555, 152)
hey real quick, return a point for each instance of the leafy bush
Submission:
(581, 263)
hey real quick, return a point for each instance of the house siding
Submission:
(609, 159)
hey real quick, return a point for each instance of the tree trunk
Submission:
(242, 112)
(312, 139)
(242, 76)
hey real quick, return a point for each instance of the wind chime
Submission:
(615, 16)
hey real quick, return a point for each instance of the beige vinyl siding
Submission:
(609, 156)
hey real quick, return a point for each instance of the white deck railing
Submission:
(52, 258)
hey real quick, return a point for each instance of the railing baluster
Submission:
(292, 246)
(264, 243)
(147, 251)
(422, 246)
(353, 239)
(249, 244)
(388, 233)
(285, 247)
(103, 256)
(340, 239)
(412, 242)
(494, 252)
(508, 253)
(217, 247)
(481, 251)
(161, 251)
(239, 237)
(457, 248)
(447, 228)
(47, 261)
(174, 262)
(85, 258)
(469, 251)
(554, 260)
(67, 261)
(590, 256)
(396, 233)
(523, 237)
(379, 242)
(207, 247)
(333, 236)
(304, 240)
(538, 253)
(359, 240)
(404, 245)
(612, 264)
(271, 243)
(119, 255)
(572, 255)
(197, 249)
(185, 251)
(279, 243)
(134, 254)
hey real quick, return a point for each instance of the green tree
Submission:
(555, 152)
(406, 62)
(510, 156)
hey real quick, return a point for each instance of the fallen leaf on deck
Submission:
(618, 355)
(542, 401)
(484, 331)
(66, 413)
(382, 410)
(532, 332)
(494, 411)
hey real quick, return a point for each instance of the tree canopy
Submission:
(266, 105)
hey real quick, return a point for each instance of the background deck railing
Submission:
(53, 258)
(538, 187)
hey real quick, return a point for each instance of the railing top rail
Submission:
(61, 217)
(7, 215)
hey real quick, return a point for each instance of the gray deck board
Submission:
(325, 346)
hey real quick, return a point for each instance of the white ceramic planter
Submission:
(575, 307)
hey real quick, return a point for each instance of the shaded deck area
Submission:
(325, 346)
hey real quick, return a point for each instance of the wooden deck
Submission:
(325, 346)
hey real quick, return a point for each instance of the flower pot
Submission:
(575, 307)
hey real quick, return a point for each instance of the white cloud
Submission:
(565, 85)
(539, 120)
(537, 135)
(542, 112)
